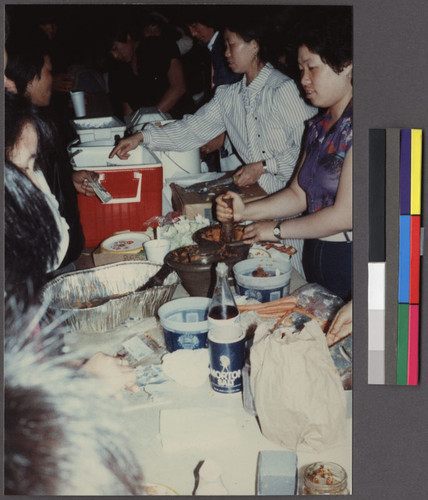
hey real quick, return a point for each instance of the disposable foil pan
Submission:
(62, 295)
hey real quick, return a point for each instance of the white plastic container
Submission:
(96, 154)
(176, 163)
(184, 322)
(264, 289)
(96, 129)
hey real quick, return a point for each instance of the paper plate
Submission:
(127, 242)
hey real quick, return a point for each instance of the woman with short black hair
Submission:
(322, 187)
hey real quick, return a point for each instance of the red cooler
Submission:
(137, 196)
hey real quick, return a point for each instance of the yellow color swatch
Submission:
(416, 172)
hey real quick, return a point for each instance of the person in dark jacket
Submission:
(204, 27)
(29, 67)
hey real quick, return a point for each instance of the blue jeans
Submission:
(329, 263)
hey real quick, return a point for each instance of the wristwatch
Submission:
(264, 166)
(277, 230)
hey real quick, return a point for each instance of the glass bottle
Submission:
(222, 307)
(210, 482)
(325, 478)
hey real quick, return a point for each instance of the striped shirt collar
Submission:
(259, 81)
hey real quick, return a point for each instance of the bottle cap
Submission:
(221, 268)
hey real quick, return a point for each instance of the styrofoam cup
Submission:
(78, 99)
(156, 250)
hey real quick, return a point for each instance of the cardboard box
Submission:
(191, 203)
(103, 258)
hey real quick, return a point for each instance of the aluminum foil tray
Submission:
(63, 295)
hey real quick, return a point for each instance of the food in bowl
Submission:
(213, 235)
(261, 273)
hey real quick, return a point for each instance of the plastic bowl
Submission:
(184, 322)
(263, 289)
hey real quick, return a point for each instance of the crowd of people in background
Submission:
(264, 91)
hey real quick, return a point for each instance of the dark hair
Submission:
(252, 25)
(119, 29)
(26, 58)
(62, 436)
(18, 111)
(31, 236)
(328, 33)
(207, 15)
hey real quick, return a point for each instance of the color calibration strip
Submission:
(395, 176)
(376, 270)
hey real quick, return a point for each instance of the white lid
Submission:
(221, 268)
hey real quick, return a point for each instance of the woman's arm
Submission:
(193, 131)
(285, 203)
(326, 222)
(176, 89)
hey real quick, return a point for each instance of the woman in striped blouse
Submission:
(322, 187)
(263, 114)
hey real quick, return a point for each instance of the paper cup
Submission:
(156, 250)
(78, 99)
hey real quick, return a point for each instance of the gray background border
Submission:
(390, 449)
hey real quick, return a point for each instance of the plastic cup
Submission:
(156, 250)
(78, 99)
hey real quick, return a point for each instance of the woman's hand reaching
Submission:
(125, 145)
(223, 210)
(81, 181)
(260, 231)
(247, 175)
(341, 326)
(115, 371)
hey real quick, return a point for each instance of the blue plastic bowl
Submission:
(263, 289)
(184, 322)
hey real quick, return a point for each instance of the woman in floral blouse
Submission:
(322, 188)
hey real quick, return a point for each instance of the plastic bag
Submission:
(162, 220)
(297, 391)
(176, 228)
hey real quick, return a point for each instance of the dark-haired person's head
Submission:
(62, 437)
(122, 39)
(328, 33)
(254, 28)
(202, 22)
(28, 134)
(31, 236)
(29, 68)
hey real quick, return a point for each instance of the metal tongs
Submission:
(205, 187)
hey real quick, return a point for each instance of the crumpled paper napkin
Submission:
(187, 367)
